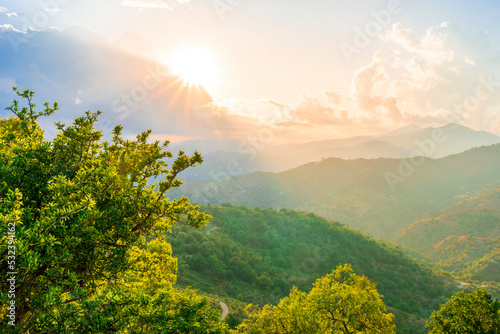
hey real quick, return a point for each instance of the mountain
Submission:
(405, 142)
(381, 196)
(463, 239)
(405, 130)
(453, 252)
(257, 255)
(476, 216)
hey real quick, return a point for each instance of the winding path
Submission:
(208, 232)
(225, 310)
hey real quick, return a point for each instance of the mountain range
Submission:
(382, 196)
(232, 157)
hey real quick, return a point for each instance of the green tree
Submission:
(340, 302)
(81, 219)
(466, 313)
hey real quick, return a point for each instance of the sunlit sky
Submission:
(312, 69)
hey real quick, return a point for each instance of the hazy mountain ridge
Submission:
(359, 192)
(404, 142)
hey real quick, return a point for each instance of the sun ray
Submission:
(196, 67)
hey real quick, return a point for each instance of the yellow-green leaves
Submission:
(340, 302)
(467, 313)
(80, 206)
(151, 266)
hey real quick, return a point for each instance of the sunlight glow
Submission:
(196, 67)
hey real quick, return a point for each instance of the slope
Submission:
(464, 238)
(381, 196)
(256, 256)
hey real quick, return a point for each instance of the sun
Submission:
(196, 67)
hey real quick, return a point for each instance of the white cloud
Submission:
(52, 11)
(447, 75)
(370, 89)
(8, 27)
(422, 80)
(316, 111)
(441, 76)
(444, 76)
(3, 10)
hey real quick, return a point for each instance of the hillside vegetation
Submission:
(93, 247)
(381, 196)
(257, 255)
(463, 239)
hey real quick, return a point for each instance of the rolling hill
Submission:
(463, 239)
(477, 216)
(381, 196)
(256, 255)
(405, 142)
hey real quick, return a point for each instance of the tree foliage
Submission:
(257, 255)
(467, 313)
(340, 302)
(83, 213)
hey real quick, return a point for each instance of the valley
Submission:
(445, 214)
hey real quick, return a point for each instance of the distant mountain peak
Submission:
(405, 130)
(455, 127)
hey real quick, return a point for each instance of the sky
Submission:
(293, 71)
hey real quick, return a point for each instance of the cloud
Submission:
(370, 91)
(312, 110)
(62, 66)
(274, 103)
(444, 76)
(332, 97)
(326, 110)
(52, 11)
(139, 93)
(165, 4)
(3, 10)
(8, 27)
(259, 111)
(441, 77)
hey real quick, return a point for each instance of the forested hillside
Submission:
(463, 239)
(257, 255)
(381, 196)
(477, 216)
